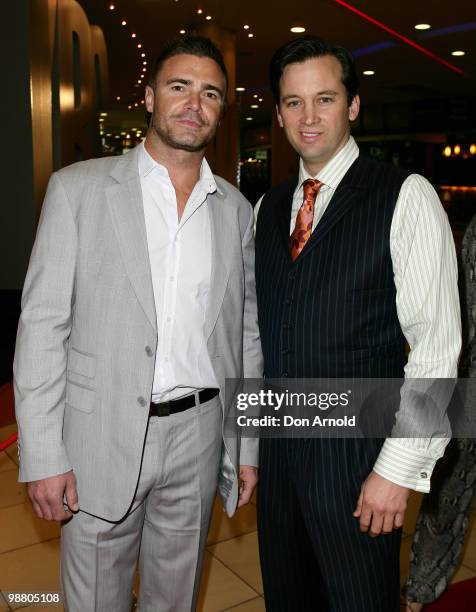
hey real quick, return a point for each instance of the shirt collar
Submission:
(147, 164)
(335, 169)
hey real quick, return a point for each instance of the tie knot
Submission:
(311, 188)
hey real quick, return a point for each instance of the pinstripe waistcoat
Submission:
(332, 313)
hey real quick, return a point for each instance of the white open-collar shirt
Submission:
(180, 262)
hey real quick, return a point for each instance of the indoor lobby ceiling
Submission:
(401, 71)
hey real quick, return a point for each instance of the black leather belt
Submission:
(181, 404)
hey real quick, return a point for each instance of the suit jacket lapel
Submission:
(220, 229)
(283, 213)
(125, 204)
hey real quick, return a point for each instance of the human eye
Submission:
(212, 95)
(293, 103)
(177, 87)
(326, 100)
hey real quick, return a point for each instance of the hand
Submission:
(381, 505)
(46, 496)
(249, 479)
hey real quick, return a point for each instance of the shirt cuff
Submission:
(405, 466)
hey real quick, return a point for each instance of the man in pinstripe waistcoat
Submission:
(353, 258)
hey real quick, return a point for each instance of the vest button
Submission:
(284, 375)
(292, 276)
(148, 351)
(141, 401)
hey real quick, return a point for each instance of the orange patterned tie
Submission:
(303, 228)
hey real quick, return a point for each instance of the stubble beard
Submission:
(168, 138)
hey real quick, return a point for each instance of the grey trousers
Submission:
(166, 529)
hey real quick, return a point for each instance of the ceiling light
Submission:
(145, 62)
(103, 114)
(139, 81)
(142, 54)
(239, 89)
(260, 99)
(298, 30)
(182, 31)
(136, 104)
(246, 27)
(123, 22)
(139, 46)
(142, 101)
(422, 26)
(111, 7)
(108, 134)
(249, 118)
(133, 35)
(118, 98)
(199, 11)
(472, 149)
(250, 35)
(447, 151)
(369, 72)
(208, 17)
(457, 150)
(255, 95)
(457, 53)
(254, 106)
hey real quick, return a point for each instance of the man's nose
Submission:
(310, 114)
(194, 101)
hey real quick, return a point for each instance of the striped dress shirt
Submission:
(427, 301)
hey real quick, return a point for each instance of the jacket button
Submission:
(141, 401)
(148, 351)
(284, 374)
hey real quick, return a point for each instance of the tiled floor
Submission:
(29, 550)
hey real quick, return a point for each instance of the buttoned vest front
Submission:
(332, 313)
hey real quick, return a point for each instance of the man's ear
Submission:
(278, 115)
(354, 108)
(149, 99)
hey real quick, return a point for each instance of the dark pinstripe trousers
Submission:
(313, 555)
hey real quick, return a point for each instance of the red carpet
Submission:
(460, 597)
(7, 406)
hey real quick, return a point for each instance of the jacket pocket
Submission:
(81, 363)
(80, 397)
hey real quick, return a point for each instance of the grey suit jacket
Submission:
(87, 336)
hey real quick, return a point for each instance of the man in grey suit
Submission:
(138, 303)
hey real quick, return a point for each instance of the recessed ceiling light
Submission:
(255, 95)
(133, 35)
(199, 11)
(145, 62)
(139, 46)
(118, 98)
(250, 35)
(246, 27)
(111, 7)
(260, 99)
(298, 30)
(208, 17)
(254, 106)
(124, 22)
(142, 54)
(239, 89)
(249, 118)
(458, 53)
(422, 26)
(369, 72)
(182, 31)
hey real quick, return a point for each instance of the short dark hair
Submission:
(190, 44)
(307, 47)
